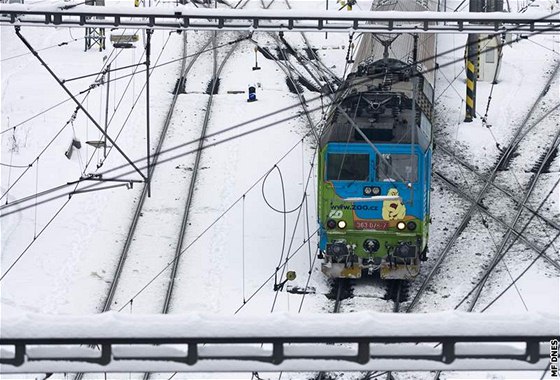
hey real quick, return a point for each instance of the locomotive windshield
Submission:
(347, 167)
(397, 167)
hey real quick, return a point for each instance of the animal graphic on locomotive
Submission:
(374, 168)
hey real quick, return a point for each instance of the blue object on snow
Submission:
(252, 94)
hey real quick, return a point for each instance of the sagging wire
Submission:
(279, 286)
(208, 228)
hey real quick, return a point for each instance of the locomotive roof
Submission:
(371, 47)
(378, 99)
(373, 114)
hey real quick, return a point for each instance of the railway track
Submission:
(141, 211)
(213, 88)
(366, 295)
(185, 69)
(477, 202)
(138, 213)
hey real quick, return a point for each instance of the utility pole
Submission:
(472, 67)
(148, 50)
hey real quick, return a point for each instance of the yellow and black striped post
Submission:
(472, 69)
(472, 66)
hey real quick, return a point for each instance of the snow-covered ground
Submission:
(66, 249)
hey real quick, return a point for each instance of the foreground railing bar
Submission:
(117, 22)
(297, 339)
(275, 359)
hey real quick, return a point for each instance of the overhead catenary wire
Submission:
(36, 236)
(253, 120)
(96, 83)
(267, 280)
(40, 154)
(277, 122)
(276, 287)
(506, 43)
(64, 43)
(487, 227)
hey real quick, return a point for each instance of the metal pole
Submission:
(80, 106)
(472, 68)
(148, 48)
(326, 8)
(107, 111)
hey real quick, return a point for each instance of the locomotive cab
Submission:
(374, 175)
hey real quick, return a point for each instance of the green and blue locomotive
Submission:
(374, 169)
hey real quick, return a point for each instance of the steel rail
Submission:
(190, 194)
(500, 253)
(508, 227)
(145, 189)
(521, 132)
(514, 197)
(216, 71)
(143, 195)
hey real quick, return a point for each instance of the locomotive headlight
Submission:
(341, 224)
(411, 226)
(401, 225)
(376, 190)
(331, 224)
(367, 190)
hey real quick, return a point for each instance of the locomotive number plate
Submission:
(370, 225)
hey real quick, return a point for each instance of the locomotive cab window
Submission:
(397, 167)
(347, 167)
